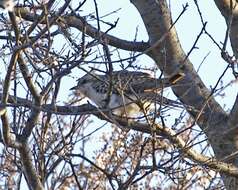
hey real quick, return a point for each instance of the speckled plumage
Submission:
(125, 92)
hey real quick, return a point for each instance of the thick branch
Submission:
(233, 119)
(80, 23)
(229, 10)
(224, 7)
(190, 90)
(170, 57)
(28, 168)
(145, 128)
(31, 121)
(3, 112)
(28, 79)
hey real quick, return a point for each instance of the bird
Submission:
(126, 93)
(7, 4)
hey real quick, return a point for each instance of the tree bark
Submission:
(171, 58)
(165, 49)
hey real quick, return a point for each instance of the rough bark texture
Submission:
(170, 58)
(230, 14)
(28, 168)
(165, 49)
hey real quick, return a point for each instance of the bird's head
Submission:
(84, 82)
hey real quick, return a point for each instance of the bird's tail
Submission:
(176, 77)
(156, 85)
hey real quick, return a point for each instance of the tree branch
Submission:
(145, 128)
(170, 57)
(80, 23)
(190, 89)
(28, 168)
(229, 10)
(8, 140)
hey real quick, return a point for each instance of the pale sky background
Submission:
(188, 27)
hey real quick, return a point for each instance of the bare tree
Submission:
(51, 139)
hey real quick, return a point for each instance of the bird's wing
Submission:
(131, 76)
(155, 85)
(133, 82)
(120, 81)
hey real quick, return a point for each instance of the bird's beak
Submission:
(73, 88)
